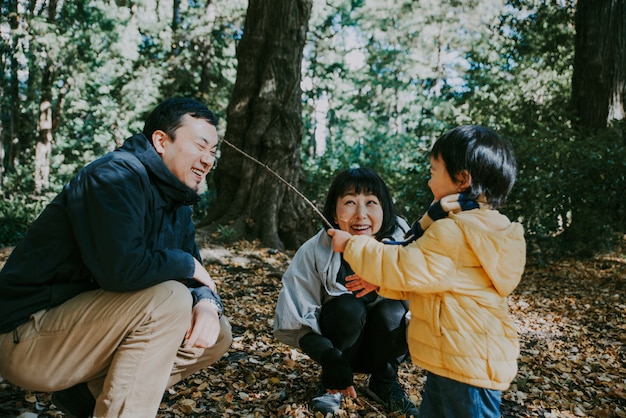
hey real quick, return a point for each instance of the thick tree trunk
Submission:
(599, 79)
(264, 120)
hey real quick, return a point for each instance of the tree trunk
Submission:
(599, 78)
(13, 152)
(206, 48)
(43, 148)
(3, 107)
(176, 19)
(1, 149)
(264, 118)
(48, 119)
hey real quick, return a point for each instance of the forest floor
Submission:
(570, 314)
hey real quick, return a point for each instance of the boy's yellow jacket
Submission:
(456, 277)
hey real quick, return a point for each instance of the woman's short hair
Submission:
(362, 180)
(168, 115)
(485, 155)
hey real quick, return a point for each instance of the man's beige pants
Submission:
(126, 346)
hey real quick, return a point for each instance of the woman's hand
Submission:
(337, 373)
(350, 391)
(356, 284)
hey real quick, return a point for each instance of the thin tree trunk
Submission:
(43, 148)
(176, 19)
(206, 48)
(3, 106)
(264, 119)
(14, 109)
(47, 122)
(2, 135)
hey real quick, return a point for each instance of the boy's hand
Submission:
(456, 203)
(451, 203)
(340, 239)
(437, 210)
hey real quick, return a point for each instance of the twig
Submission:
(324, 220)
(362, 399)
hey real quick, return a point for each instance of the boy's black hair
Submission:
(362, 180)
(485, 155)
(168, 115)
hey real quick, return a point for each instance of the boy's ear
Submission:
(463, 180)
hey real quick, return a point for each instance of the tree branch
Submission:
(324, 220)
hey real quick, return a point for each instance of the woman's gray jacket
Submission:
(310, 280)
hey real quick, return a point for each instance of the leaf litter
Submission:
(570, 314)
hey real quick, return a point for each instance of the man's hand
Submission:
(205, 326)
(340, 238)
(201, 275)
(354, 283)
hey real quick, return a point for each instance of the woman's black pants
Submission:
(373, 337)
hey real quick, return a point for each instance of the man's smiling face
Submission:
(191, 154)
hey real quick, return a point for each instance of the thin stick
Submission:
(362, 399)
(324, 220)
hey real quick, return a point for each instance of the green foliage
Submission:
(227, 234)
(569, 194)
(202, 208)
(108, 65)
(19, 209)
(519, 84)
(511, 72)
(381, 79)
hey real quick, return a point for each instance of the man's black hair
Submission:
(168, 115)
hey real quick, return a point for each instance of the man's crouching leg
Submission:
(142, 363)
(185, 362)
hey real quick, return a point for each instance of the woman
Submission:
(346, 332)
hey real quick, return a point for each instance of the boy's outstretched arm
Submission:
(340, 239)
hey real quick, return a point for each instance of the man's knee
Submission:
(172, 298)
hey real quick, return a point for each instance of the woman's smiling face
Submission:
(359, 213)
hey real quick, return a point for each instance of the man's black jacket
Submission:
(122, 224)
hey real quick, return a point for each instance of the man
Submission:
(105, 302)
